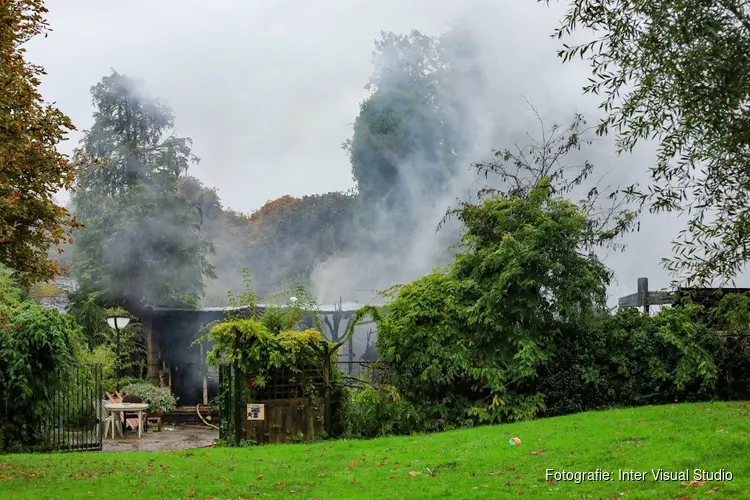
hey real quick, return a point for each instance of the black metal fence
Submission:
(373, 372)
(74, 418)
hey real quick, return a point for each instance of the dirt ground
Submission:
(171, 437)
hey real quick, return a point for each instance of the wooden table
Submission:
(115, 408)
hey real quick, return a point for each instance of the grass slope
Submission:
(472, 463)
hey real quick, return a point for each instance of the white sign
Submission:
(256, 412)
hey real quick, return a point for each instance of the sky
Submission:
(268, 91)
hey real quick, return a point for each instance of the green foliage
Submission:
(250, 346)
(104, 355)
(37, 350)
(676, 71)
(411, 124)
(630, 359)
(373, 412)
(11, 293)
(159, 399)
(90, 311)
(465, 343)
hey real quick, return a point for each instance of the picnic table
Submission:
(121, 408)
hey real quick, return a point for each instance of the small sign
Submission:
(255, 412)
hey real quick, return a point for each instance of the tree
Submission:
(396, 139)
(288, 236)
(677, 71)
(467, 341)
(522, 168)
(142, 243)
(31, 168)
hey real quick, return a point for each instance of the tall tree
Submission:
(678, 71)
(31, 168)
(400, 134)
(141, 244)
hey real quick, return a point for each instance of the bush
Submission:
(159, 399)
(103, 355)
(37, 352)
(369, 412)
(630, 359)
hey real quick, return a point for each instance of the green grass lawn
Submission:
(474, 463)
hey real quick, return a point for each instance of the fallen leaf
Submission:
(415, 473)
(494, 473)
(693, 483)
(259, 478)
(354, 480)
(711, 492)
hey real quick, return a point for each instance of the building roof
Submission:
(325, 308)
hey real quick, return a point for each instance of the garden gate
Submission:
(278, 413)
(74, 417)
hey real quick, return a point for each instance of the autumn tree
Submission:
(31, 168)
(288, 236)
(142, 242)
(678, 71)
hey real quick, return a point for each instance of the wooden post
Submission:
(327, 379)
(643, 294)
(239, 378)
(205, 377)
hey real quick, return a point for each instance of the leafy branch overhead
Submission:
(677, 71)
(30, 221)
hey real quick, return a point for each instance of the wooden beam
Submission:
(654, 298)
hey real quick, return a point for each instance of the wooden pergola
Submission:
(644, 297)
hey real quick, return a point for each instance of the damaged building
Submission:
(176, 362)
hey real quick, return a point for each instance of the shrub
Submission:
(159, 399)
(37, 352)
(105, 356)
(630, 359)
(369, 412)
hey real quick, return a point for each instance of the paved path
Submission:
(180, 438)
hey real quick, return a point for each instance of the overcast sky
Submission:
(268, 89)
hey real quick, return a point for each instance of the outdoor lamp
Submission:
(118, 322)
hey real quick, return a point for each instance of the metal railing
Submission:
(74, 415)
(373, 372)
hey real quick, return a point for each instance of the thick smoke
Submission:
(271, 112)
(486, 104)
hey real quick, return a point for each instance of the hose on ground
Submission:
(198, 411)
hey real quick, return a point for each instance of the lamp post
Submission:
(118, 322)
